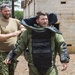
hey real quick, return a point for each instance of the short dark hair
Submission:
(40, 13)
(3, 6)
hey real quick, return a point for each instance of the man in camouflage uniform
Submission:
(40, 43)
(9, 30)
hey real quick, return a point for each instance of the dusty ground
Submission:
(22, 68)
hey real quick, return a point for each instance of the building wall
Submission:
(65, 10)
(29, 10)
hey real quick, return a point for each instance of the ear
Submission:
(0, 11)
(36, 20)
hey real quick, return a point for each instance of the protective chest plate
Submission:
(41, 50)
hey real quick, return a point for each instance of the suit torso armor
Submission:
(41, 49)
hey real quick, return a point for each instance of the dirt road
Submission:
(22, 68)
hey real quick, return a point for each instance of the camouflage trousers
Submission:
(6, 69)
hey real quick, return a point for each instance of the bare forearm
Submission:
(7, 36)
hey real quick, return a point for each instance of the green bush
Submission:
(18, 15)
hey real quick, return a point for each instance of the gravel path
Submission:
(22, 68)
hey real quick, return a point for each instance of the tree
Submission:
(19, 15)
(6, 1)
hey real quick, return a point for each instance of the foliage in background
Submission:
(19, 15)
(7, 1)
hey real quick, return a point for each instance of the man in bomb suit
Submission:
(41, 42)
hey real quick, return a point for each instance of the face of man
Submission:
(42, 21)
(6, 12)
